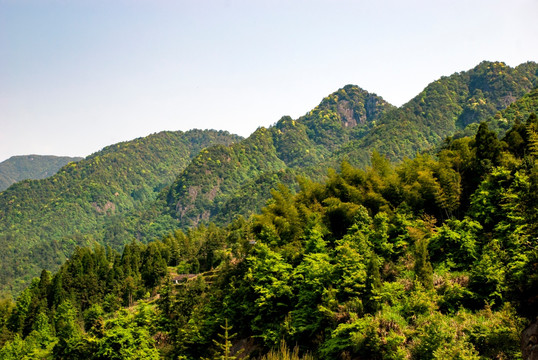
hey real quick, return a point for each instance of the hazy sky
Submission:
(76, 75)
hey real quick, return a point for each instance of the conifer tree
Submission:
(225, 344)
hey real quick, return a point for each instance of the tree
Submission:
(123, 339)
(153, 266)
(373, 283)
(423, 267)
(224, 345)
(94, 320)
(269, 278)
(487, 148)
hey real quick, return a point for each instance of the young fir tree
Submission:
(224, 346)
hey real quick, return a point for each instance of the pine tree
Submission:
(225, 344)
(533, 142)
(487, 149)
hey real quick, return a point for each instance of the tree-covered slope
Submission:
(218, 175)
(443, 107)
(41, 221)
(23, 167)
(433, 258)
(148, 187)
(347, 125)
(516, 112)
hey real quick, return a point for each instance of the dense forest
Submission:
(433, 258)
(23, 167)
(347, 125)
(41, 221)
(445, 106)
(357, 231)
(147, 187)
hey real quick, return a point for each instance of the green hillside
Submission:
(432, 258)
(442, 108)
(41, 221)
(347, 125)
(220, 174)
(151, 186)
(23, 167)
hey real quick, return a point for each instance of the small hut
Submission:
(181, 278)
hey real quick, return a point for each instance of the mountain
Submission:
(41, 221)
(23, 167)
(517, 111)
(442, 108)
(347, 125)
(238, 178)
(431, 258)
(152, 186)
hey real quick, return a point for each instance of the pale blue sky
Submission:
(77, 75)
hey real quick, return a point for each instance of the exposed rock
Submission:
(508, 99)
(193, 192)
(346, 113)
(105, 209)
(529, 342)
(213, 192)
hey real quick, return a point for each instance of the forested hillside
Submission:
(347, 125)
(433, 258)
(35, 167)
(215, 184)
(443, 107)
(148, 187)
(41, 221)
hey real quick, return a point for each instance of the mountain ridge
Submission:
(43, 220)
(332, 131)
(210, 184)
(461, 99)
(31, 167)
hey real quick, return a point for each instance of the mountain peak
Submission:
(355, 105)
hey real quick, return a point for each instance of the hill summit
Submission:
(34, 167)
(148, 187)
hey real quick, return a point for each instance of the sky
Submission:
(77, 75)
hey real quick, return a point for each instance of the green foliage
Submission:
(126, 338)
(94, 319)
(423, 268)
(284, 353)
(432, 258)
(312, 280)
(18, 168)
(225, 344)
(104, 198)
(456, 243)
(270, 279)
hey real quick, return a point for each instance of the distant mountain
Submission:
(150, 186)
(23, 167)
(238, 179)
(41, 221)
(442, 108)
(347, 125)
